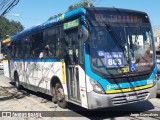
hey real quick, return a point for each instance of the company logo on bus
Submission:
(150, 81)
(108, 87)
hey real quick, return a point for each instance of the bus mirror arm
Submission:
(84, 34)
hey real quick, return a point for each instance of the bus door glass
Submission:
(72, 60)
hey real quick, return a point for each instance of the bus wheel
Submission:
(17, 83)
(60, 96)
(54, 98)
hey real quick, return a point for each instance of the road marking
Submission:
(44, 106)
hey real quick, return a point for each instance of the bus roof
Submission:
(114, 9)
(50, 23)
(64, 17)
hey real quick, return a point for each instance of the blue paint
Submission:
(38, 60)
(104, 83)
(75, 13)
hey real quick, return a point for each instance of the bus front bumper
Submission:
(96, 100)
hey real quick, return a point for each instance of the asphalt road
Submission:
(26, 105)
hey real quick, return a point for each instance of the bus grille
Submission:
(123, 99)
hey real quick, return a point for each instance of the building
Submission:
(157, 38)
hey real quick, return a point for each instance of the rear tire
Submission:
(60, 96)
(17, 83)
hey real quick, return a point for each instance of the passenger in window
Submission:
(41, 55)
(46, 52)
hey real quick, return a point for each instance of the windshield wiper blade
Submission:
(114, 35)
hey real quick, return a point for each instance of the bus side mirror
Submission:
(84, 34)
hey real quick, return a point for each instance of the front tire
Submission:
(60, 96)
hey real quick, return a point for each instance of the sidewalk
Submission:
(5, 94)
(7, 90)
(4, 89)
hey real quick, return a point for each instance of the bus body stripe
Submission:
(6, 40)
(38, 60)
(63, 73)
(62, 17)
(5, 60)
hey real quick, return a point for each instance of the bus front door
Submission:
(72, 65)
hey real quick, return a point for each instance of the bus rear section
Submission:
(119, 58)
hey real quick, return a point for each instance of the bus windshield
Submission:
(120, 49)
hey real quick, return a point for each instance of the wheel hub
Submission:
(60, 94)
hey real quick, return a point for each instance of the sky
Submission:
(33, 12)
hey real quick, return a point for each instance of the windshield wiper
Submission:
(124, 47)
(114, 35)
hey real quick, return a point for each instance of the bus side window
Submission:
(26, 42)
(13, 49)
(18, 52)
(51, 38)
(62, 42)
(37, 40)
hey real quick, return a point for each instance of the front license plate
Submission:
(131, 97)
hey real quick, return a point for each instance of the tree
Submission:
(9, 27)
(72, 7)
(78, 5)
(54, 16)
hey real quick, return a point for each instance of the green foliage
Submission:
(78, 5)
(54, 16)
(9, 27)
(72, 7)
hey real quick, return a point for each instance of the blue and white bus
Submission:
(92, 57)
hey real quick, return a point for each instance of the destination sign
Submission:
(71, 24)
(118, 18)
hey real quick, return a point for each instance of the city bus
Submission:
(91, 57)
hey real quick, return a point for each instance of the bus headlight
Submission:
(96, 87)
